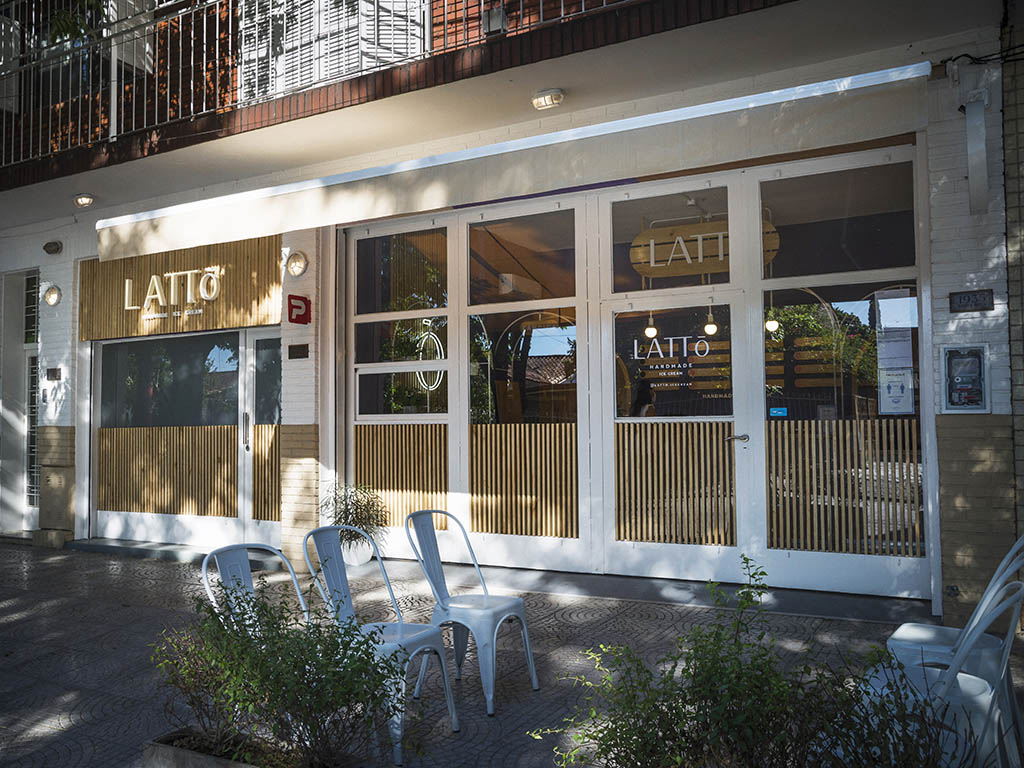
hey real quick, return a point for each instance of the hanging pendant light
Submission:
(710, 327)
(650, 331)
(771, 325)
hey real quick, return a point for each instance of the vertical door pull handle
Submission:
(245, 429)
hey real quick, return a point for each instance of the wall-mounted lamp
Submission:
(53, 247)
(297, 264)
(52, 295)
(548, 98)
(83, 200)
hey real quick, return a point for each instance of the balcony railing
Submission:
(170, 63)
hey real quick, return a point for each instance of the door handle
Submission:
(741, 438)
(245, 430)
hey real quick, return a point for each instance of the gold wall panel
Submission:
(523, 479)
(250, 291)
(407, 464)
(168, 470)
(675, 483)
(266, 472)
(846, 486)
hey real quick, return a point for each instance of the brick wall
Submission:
(976, 498)
(1013, 144)
(299, 487)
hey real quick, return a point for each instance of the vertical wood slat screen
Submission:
(675, 483)
(169, 470)
(523, 479)
(266, 472)
(407, 464)
(851, 486)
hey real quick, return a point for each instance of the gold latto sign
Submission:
(691, 249)
(211, 287)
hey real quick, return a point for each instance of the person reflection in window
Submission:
(643, 406)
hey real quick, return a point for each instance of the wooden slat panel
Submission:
(169, 470)
(266, 472)
(523, 479)
(850, 486)
(250, 291)
(407, 464)
(674, 483)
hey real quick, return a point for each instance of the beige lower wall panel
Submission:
(976, 497)
(55, 446)
(524, 479)
(407, 464)
(168, 470)
(675, 483)
(300, 477)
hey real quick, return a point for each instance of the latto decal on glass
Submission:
(691, 249)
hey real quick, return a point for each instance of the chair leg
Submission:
(420, 676)
(447, 689)
(1013, 712)
(395, 725)
(460, 639)
(486, 651)
(529, 653)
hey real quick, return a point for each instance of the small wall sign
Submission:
(300, 310)
(971, 301)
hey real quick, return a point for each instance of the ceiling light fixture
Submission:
(296, 264)
(548, 98)
(83, 200)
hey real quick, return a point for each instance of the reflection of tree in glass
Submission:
(852, 341)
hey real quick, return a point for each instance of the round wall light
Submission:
(83, 200)
(52, 295)
(296, 264)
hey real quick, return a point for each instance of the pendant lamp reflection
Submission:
(710, 327)
(771, 325)
(650, 331)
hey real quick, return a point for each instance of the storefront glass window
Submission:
(416, 339)
(268, 381)
(845, 221)
(523, 367)
(402, 393)
(669, 363)
(841, 352)
(671, 241)
(184, 381)
(523, 258)
(402, 272)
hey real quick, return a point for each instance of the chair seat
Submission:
(913, 644)
(404, 635)
(495, 603)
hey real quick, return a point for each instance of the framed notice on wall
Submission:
(895, 391)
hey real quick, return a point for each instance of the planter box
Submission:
(160, 753)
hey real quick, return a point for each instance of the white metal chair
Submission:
(235, 574)
(970, 699)
(331, 581)
(915, 644)
(479, 614)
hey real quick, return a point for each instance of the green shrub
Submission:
(356, 505)
(261, 685)
(723, 697)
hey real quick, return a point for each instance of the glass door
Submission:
(675, 437)
(260, 443)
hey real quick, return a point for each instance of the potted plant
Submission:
(360, 507)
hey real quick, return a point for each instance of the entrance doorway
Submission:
(187, 438)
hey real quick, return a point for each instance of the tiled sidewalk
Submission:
(77, 687)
